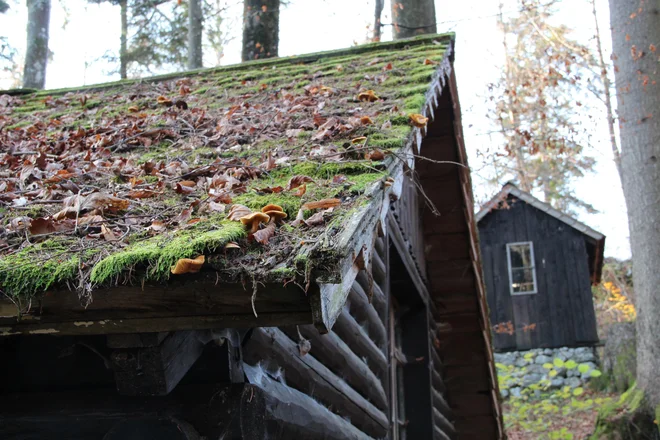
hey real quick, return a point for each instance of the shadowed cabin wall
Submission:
(562, 309)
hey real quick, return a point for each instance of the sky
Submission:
(80, 33)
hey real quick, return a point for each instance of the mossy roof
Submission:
(114, 183)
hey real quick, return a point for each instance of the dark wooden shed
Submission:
(539, 265)
(361, 315)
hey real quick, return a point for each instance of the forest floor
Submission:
(555, 417)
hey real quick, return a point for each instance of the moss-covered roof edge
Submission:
(446, 38)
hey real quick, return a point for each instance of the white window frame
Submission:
(533, 267)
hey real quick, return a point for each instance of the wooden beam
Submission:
(211, 410)
(440, 403)
(437, 381)
(378, 298)
(270, 409)
(156, 370)
(366, 315)
(330, 350)
(136, 340)
(139, 325)
(438, 434)
(444, 424)
(271, 348)
(348, 329)
(152, 307)
(379, 269)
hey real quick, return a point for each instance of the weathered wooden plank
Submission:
(444, 424)
(197, 295)
(211, 411)
(156, 370)
(136, 340)
(164, 324)
(379, 270)
(272, 349)
(330, 350)
(441, 404)
(437, 382)
(348, 329)
(438, 434)
(378, 298)
(270, 409)
(366, 315)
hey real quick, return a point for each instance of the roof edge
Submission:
(512, 189)
(446, 38)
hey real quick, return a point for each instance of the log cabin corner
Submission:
(363, 318)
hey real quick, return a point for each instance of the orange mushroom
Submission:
(254, 220)
(272, 207)
(188, 265)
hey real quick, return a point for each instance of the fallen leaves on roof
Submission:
(125, 180)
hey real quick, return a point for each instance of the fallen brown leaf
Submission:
(263, 235)
(298, 180)
(321, 204)
(237, 211)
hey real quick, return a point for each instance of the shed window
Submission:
(522, 273)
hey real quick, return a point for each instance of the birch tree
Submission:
(36, 55)
(635, 34)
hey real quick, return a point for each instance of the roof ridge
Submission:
(448, 38)
(510, 188)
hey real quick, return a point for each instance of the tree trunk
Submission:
(123, 44)
(607, 97)
(413, 17)
(380, 4)
(635, 30)
(195, 17)
(261, 23)
(36, 56)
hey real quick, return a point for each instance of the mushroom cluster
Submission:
(270, 215)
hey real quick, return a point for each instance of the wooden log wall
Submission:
(345, 370)
(407, 236)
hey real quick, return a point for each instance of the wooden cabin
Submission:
(539, 265)
(279, 249)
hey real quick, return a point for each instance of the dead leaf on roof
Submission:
(263, 235)
(237, 211)
(316, 219)
(232, 245)
(338, 179)
(108, 234)
(187, 265)
(302, 189)
(270, 189)
(298, 180)
(217, 207)
(40, 226)
(321, 204)
(141, 194)
(180, 188)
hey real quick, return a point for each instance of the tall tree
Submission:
(261, 28)
(378, 12)
(635, 32)
(537, 106)
(123, 39)
(36, 55)
(195, 29)
(413, 17)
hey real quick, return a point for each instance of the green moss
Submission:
(37, 268)
(157, 255)
(414, 103)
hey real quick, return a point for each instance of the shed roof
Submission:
(115, 183)
(594, 237)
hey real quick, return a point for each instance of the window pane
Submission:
(521, 255)
(522, 280)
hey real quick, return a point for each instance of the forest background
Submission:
(84, 40)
